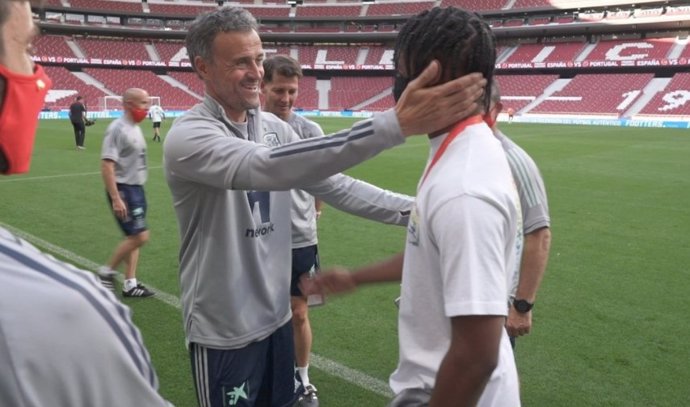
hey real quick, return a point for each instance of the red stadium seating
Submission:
(630, 50)
(474, 5)
(556, 52)
(318, 29)
(270, 50)
(673, 100)
(52, 46)
(322, 55)
(67, 86)
(308, 98)
(347, 92)
(179, 9)
(113, 49)
(517, 91)
(596, 94)
(381, 104)
(521, 4)
(376, 56)
(122, 6)
(119, 80)
(168, 50)
(328, 11)
(564, 19)
(686, 52)
(269, 11)
(190, 79)
(398, 8)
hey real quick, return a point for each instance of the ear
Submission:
(495, 111)
(498, 108)
(201, 66)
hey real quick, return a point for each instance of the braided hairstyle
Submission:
(460, 40)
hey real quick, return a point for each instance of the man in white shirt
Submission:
(461, 248)
(157, 114)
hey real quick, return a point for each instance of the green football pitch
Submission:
(610, 324)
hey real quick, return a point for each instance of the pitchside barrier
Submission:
(663, 122)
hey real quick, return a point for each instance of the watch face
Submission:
(522, 306)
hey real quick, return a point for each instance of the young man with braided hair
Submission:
(461, 241)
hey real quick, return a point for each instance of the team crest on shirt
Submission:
(413, 227)
(271, 139)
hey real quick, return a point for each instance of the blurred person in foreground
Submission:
(230, 168)
(64, 339)
(536, 224)
(462, 238)
(280, 88)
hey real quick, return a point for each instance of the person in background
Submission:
(66, 341)
(124, 171)
(280, 88)
(157, 114)
(77, 116)
(536, 224)
(230, 168)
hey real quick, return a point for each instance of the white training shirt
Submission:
(459, 260)
(304, 231)
(530, 185)
(156, 113)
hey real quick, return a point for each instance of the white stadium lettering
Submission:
(614, 54)
(675, 100)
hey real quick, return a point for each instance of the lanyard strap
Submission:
(457, 129)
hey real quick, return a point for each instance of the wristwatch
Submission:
(522, 306)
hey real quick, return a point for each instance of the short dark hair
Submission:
(283, 65)
(206, 27)
(459, 39)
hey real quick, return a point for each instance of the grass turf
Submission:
(609, 325)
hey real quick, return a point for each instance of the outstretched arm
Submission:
(341, 280)
(362, 199)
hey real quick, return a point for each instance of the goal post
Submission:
(109, 103)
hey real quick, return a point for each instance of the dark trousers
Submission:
(79, 133)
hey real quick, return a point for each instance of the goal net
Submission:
(106, 103)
